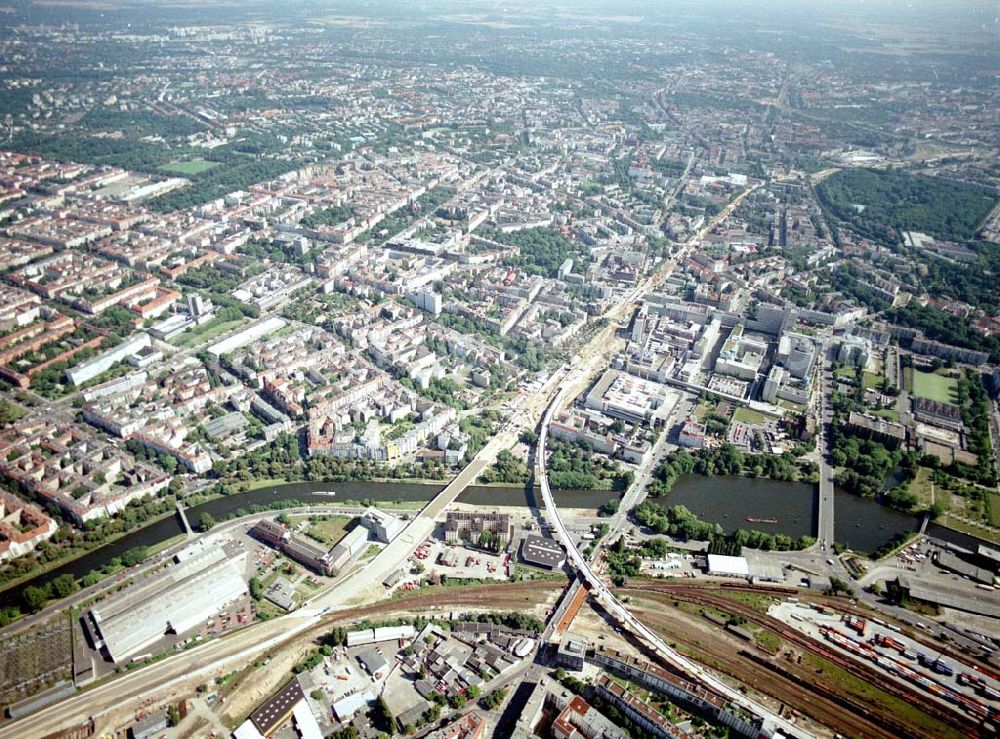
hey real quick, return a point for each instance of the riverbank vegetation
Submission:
(69, 543)
(679, 523)
(728, 460)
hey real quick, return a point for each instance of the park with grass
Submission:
(188, 168)
(326, 529)
(934, 386)
(750, 416)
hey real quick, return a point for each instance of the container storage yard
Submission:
(970, 688)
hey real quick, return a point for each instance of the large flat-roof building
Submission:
(278, 708)
(952, 562)
(384, 526)
(724, 566)
(631, 399)
(541, 552)
(175, 602)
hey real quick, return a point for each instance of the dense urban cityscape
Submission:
(459, 369)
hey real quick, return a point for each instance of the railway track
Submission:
(945, 649)
(801, 697)
(859, 708)
(931, 707)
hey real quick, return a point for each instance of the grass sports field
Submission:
(191, 167)
(934, 387)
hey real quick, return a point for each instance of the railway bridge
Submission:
(772, 724)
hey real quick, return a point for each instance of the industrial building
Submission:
(723, 566)
(278, 709)
(953, 563)
(470, 526)
(175, 602)
(353, 543)
(345, 708)
(308, 553)
(384, 526)
(373, 663)
(152, 725)
(305, 552)
(385, 633)
(541, 552)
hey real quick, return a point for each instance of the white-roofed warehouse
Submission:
(725, 566)
(175, 602)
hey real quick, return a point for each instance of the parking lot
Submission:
(456, 560)
(673, 565)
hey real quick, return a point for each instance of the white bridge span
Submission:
(773, 724)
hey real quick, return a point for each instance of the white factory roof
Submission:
(355, 540)
(247, 730)
(720, 564)
(347, 707)
(385, 633)
(391, 633)
(188, 594)
(364, 636)
(305, 722)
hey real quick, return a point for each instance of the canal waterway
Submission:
(861, 524)
(309, 493)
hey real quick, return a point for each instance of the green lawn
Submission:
(935, 387)
(921, 487)
(750, 416)
(190, 167)
(703, 409)
(890, 414)
(331, 529)
(845, 373)
(204, 332)
(789, 405)
(872, 381)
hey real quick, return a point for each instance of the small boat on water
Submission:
(331, 493)
(759, 519)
